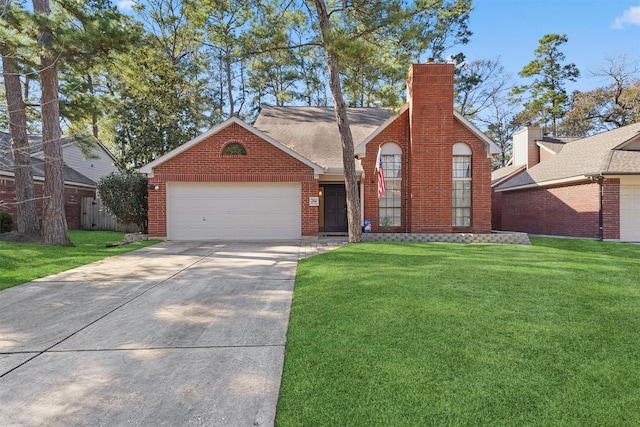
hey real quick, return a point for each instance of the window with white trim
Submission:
(461, 201)
(391, 201)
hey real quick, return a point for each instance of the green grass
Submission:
(24, 262)
(473, 335)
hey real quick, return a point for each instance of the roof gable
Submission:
(492, 148)
(148, 168)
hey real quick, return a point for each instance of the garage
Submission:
(630, 213)
(249, 211)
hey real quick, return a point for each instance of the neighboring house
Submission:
(284, 176)
(586, 187)
(77, 182)
(94, 161)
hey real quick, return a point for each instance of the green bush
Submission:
(6, 222)
(125, 197)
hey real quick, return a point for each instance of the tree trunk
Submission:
(54, 222)
(348, 157)
(227, 71)
(94, 114)
(26, 212)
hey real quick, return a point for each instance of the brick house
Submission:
(574, 187)
(283, 177)
(81, 171)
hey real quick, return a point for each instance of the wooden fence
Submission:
(96, 218)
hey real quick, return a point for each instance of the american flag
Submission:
(380, 172)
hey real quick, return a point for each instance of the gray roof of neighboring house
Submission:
(598, 154)
(555, 144)
(313, 133)
(504, 172)
(37, 165)
(554, 147)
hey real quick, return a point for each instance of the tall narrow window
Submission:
(461, 205)
(391, 200)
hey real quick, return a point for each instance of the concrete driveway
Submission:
(174, 334)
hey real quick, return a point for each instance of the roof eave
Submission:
(546, 183)
(41, 178)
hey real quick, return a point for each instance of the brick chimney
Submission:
(431, 121)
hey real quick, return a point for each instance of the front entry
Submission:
(334, 201)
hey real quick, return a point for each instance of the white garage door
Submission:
(209, 211)
(630, 214)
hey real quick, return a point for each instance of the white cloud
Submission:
(630, 16)
(126, 5)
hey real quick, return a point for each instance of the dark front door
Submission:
(335, 208)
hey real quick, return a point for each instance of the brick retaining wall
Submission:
(503, 238)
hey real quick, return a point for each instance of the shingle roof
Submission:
(504, 172)
(313, 132)
(598, 154)
(554, 147)
(37, 165)
(555, 144)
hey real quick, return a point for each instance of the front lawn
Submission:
(24, 262)
(452, 334)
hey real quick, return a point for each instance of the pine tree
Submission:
(548, 99)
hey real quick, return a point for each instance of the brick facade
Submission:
(570, 210)
(426, 132)
(204, 162)
(72, 200)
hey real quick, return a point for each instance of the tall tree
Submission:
(478, 84)
(225, 24)
(500, 123)
(275, 77)
(608, 107)
(26, 212)
(548, 98)
(91, 34)
(54, 222)
(311, 70)
(166, 94)
(351, 181)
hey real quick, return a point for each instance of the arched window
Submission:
(234, 149)
(461, 204)
(391, 201)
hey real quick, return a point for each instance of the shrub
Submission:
(124, 195)
(6, 222)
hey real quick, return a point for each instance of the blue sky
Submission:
(511, 29)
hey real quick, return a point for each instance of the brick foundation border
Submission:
(497, 238)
